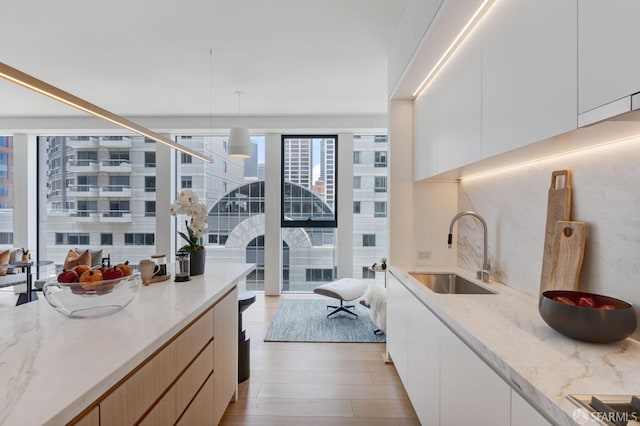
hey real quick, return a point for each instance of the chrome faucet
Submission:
(486, 267)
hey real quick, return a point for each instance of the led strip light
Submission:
(27, 81)
(475, 18)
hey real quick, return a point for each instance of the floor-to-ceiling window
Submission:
(97, 192)
(309, 210)
(233, 192)
(6, 192)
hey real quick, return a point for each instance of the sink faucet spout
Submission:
(486, 267)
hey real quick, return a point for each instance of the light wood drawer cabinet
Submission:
(177, 382)
(188, 384)
(200, 411)
(164, 412)
(129, 401)
(92, 418)
(192, 340)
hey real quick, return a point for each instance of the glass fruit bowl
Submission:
(90, 299)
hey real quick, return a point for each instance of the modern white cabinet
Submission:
(447, 114)
(397, 325)
(413, 342)
(511, 83)
(529, 79)
(459, 106)
(523, 414)
(470, 392)
(447, 383)
(608, 56)
(423, 366)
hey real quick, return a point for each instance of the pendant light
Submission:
(239, 145)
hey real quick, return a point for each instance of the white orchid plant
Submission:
(187, 204)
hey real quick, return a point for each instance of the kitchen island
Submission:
(505, 332)
(54, 368)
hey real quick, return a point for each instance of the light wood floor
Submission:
(315, 383)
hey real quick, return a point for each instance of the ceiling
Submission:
(152, 57)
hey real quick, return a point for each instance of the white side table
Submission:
(379, 269)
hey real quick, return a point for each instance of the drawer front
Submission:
(200, 411)
(164, 412)
(129, 401)
(192, 340)
(92, 418)
(188, 384)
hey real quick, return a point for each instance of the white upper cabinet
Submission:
(459, 106)
(447, 114)
(529, 79)
(608, 55)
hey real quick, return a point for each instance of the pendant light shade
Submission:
(239, 145)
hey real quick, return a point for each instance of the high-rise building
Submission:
(370, 198)
(298, 164)
(100, 191)
(327, 169)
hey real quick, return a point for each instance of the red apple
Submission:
(587, 302)
(69, 276)
(112, 273)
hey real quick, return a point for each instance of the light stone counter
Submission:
(53, 366)
(509, 334)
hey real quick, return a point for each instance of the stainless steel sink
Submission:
(449, 284)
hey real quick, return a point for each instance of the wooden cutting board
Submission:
(567, 255)
(558, 208)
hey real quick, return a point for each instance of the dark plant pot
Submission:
(383, 266)
(196, 262)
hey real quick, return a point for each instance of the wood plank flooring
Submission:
(315, 383)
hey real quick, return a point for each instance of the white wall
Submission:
(419, 213)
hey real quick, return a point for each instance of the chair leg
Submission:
(341, 308)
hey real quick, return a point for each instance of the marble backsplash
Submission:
(513, 201)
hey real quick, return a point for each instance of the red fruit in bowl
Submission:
(91, 276)
(81, 269)
(69, 276)
(564, 300)
(112, 273)
(587, 302)
(607, 307)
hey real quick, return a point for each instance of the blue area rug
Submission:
(305, 320)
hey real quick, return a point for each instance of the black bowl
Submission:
(588, 324)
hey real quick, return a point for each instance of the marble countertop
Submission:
(507, 332)
(53, 366)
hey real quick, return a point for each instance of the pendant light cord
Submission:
(211, 91)
(239, 93)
